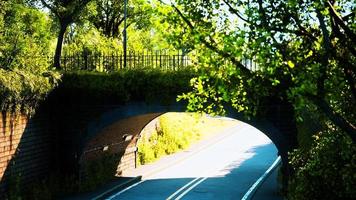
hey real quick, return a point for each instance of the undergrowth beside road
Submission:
(326, 170)
(175, 132)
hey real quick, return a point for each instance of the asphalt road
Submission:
(225, 169)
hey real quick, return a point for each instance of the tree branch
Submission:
(236, 12)
(340, 21)
(211, 46)
(303, 30)
(325, 57)
(78, 8)
(349, 71)
(342, 37)
(263, 13)
(336, 118)
(51, 8)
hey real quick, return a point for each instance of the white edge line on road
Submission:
(203, 178)
(190, 188)
(101, 195)
(124, 190)
(255, 186)
(182, 188)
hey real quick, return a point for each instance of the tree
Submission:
(24, 37)
(109, 15)
(66, 11)
(305, 52)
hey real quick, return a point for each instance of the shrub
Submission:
(127, 85)
(327, 170)
(98, 172)
(146, 153)
(21, 91)
(25, 37)
(177, 131)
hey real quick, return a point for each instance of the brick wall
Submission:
(25, 146)
(118, 139)
(128, 160)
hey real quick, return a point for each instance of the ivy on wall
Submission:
(21, 91)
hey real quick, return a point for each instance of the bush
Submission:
(98, 172)
(25, 38)
(127, 85)
(327, 170)
(21, 91)
(177, 131)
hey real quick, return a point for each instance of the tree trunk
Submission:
(58, 53)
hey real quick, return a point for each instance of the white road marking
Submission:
(182, 188)
(202, 178)
(259, 181)
(124, 190)
(190, 188)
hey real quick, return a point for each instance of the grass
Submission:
(175, 132)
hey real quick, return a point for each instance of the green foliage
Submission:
(298, 60)
(100, 29)
(305, 55)
(98, 172)
(127, 85)
(175, 132)
(107, 16)
(52, 187)
(217, 87)
(326, 170)
(24, 46)
(85, 37)
(95, 173)
(21, 91)
(24, 38)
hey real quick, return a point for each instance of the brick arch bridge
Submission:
(91, 116)
(87, 127)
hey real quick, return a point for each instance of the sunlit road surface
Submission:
(225, 169)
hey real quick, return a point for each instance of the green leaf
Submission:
(290, 64)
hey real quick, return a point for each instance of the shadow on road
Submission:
(230, 182)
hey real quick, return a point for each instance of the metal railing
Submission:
(109, 62)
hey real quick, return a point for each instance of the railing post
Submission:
(85, 59)
(160, 59)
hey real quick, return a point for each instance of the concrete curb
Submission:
(117, 187)
(251, 192)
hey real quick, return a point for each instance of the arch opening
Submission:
(118, 144)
